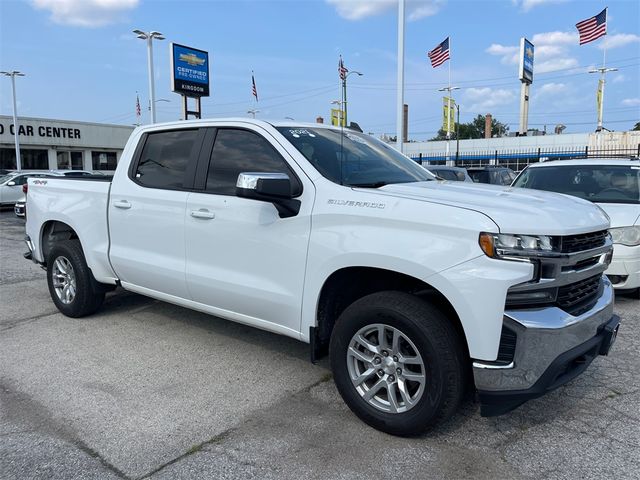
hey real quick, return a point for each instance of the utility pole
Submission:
(149, 36)
(13, 74)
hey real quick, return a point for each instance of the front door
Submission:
(243, 260)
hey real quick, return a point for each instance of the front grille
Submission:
(584, 241)
(579, 296)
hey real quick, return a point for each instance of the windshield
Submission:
(366, 162)
(597, 183)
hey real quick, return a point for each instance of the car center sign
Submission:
(526, 60)
(189, 71)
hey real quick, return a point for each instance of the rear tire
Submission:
(411, 380)
(72, 286)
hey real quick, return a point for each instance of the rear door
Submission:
(147, 210)
(243, 260)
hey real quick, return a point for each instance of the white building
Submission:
(47, 144)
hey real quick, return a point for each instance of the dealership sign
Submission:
(526, 61)
(189, 71)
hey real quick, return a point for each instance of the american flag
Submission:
(440, 54)
(138, 110)
(253, 87)
(592, 28)
(342, 70)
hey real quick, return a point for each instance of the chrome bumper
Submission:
(543, 334)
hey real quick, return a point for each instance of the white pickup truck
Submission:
(418, 288)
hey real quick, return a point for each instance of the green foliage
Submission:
(474, 129)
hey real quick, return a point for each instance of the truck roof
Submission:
(252, 121)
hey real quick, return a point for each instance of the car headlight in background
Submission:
(629, 236)
(497, 245)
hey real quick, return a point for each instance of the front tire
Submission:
(72, 287)
(398, 362)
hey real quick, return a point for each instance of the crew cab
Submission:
(417, 288)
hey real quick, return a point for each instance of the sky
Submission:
(82, 61)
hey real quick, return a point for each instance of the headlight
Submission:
(629, 236)
(497, 245)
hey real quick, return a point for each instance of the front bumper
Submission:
(552, 347)
(20, 209)
(624, 271)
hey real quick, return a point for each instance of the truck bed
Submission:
(79, 202)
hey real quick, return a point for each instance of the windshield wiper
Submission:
(369, 185)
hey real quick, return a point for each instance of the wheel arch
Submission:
(346, 285)
(54, 231)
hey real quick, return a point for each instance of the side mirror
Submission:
(269, 187)
(11, 184)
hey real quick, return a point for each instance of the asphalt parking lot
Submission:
(144, 389)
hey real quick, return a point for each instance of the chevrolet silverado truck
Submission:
(417, 288)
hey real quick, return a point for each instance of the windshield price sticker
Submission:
(301, 132)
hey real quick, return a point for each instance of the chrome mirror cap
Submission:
(249, 180)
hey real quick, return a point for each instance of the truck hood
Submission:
(622, 214)
(513, 210)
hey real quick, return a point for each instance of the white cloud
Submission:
(618, 40)
(551, 51)
(359, 9)
(85, 13)
(620, 78)
(484, 99)
(527, 5)
(555, 38)
(555, 64)
(549, 89)
(631, 102)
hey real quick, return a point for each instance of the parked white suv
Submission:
(413, 285)
(614, 185)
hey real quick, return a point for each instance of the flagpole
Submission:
(400, 87)
(602, 75)
(449, 106)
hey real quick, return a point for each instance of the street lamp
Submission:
(149, 36)
(13, 74)
(602, 71)
(344, 93)
(253, 112)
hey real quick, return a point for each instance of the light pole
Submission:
(602, 71)
(448, 89)
(13, 74)
(253, 112)
(344, 93)
(149, 36)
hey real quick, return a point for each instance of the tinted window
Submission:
(237, 151)
(351, 158)
(164, 158)
(598, 183)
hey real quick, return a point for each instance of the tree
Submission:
(475, 129)
(637, 126)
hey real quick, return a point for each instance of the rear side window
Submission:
(236, 151)
(164, 159)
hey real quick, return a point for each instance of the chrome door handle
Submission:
(203, 213)
(122, 204)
